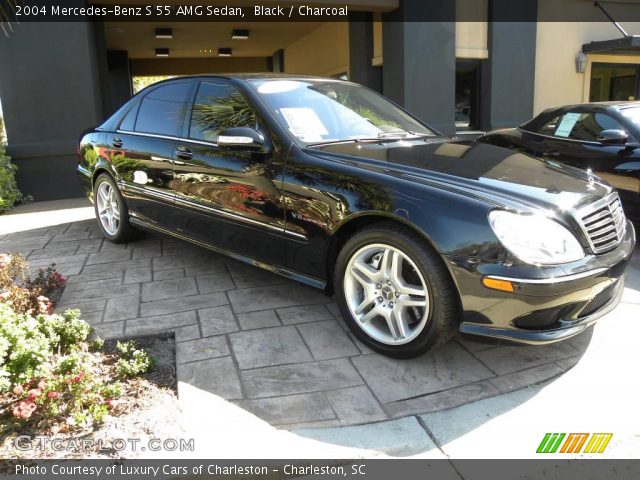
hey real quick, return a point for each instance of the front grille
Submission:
(598, 301)
(604, 223)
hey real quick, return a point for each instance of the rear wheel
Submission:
(394, 291)
(111, 210)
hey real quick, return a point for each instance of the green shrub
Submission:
(96, 344)
(133, 361)
(9, 193)
(51, 374)
(28, 343)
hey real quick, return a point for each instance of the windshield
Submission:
(325, 111)
(633, 114)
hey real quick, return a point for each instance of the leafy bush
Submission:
(27, 343)
(78, 396)
(51, 376)
(9, 193)
(21, 292)
(133, 361)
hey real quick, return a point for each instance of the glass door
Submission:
(614, 82)
(467, 94)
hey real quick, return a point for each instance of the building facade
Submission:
(471, 71)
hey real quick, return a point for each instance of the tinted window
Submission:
(161, 110)
(129, 120)
(218, 106)
(549, 128)
(584, 126)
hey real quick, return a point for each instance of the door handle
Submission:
(116, 142)
(552, 153)
(184, 153)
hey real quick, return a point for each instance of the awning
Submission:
(618, 46)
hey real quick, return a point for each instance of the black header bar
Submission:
(238, 12)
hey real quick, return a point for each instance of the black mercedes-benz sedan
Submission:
(601, 137)
(331, 184)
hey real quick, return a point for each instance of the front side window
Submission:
(218, 106)
(583, 126)
(318, 111)
(162, 109)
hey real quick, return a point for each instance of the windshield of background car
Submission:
(633, 114)
(319, 111)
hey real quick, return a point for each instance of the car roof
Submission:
(595, 106)
(252, 76)
(546, 115)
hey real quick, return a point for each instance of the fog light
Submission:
(494, 284)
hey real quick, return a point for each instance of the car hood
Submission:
(497, 174)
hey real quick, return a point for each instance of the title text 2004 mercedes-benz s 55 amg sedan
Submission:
(329, 183)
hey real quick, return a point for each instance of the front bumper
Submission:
(545, 307)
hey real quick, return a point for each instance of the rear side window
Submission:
(129, 120)
(161, 110)
(218, 106)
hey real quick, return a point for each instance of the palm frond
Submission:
(218, 113)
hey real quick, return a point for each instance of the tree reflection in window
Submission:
(217, 107)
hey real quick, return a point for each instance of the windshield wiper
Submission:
(382, 136)
(396, 134)
(331, 142)
(393, 136)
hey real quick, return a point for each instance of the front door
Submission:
(230, 198)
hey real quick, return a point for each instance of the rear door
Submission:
(141, 151)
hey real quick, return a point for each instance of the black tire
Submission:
(444, 311)
(125, 231)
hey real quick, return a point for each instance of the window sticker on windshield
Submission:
(566, 125)
(304, 123)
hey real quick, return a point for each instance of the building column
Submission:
(419, 58)
(50, 94)
(115, 73)
(361, 51)
(277, 64)
(119, 87)
(508, 76)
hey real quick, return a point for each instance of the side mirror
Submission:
(613, 137)
(241, 138)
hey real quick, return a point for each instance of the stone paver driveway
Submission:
(272, 346)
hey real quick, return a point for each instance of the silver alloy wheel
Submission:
(108, 208)
(386, 294)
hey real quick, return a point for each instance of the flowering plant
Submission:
(52, 375)
(26, 294)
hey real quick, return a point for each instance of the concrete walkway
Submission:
(256, 351)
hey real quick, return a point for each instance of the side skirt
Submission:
(311, 281)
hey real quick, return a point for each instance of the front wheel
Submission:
(111, 211)
(395, 292)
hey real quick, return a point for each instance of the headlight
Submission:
(535, 238)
